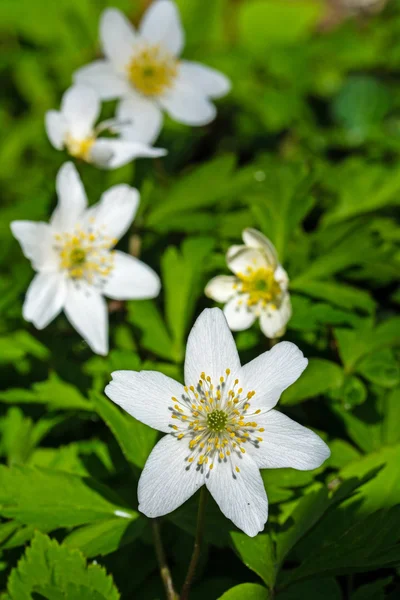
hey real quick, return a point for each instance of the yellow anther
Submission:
(221, 455)
(261, 429)
(228, 371)
(211, 466)
(237, 469)
(260, 439)
(242, 450)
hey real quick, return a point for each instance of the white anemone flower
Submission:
(222, 427)
(73, 128)
(259, 288)
(75, 262)
(143, 68)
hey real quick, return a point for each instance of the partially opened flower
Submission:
(258, 290)
(142, 67)
(222, 427)
(75, 261)
(73, 128)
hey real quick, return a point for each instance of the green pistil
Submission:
(217, 420)
(77, 256)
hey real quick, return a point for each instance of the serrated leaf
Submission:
(60, 573)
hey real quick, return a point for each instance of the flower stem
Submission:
(162, 563)
(197, 544)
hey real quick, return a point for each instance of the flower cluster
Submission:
(222, 426)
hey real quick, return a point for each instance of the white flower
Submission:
(75, 262)
(142, 67)
(259, 288)
(222, 427)
(73, 128)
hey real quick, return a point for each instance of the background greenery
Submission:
(306, 148)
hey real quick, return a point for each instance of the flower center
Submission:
(80, 148)
(216, 421)
(260, 285)
(152, 70)
(85, 254)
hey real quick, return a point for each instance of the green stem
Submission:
(197, 544)
(162, 563)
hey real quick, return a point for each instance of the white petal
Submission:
(111, 154)
(44, 299)
(116, 210)
(287, 444)
(206, 80)
(255, 239)
(281, 277)
(240, 495)
(131, 279)
(117, 37)
(221, 288)
(238, 314)
(245, 259)
(36, 240)
(161, 25)
(80, 107)
(86, 310)
(101, 76)
(56, 128)
(146, 395)
(210, 348)
(273, 321)
(142, 118)
(167, 480)
(72, 199)
(272, 372)
(187, 105)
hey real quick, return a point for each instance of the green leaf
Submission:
(135, 438)
(337, 294)
(144, 314)
(183, 278)
(319, 377)
(57, 572)
(105, 537)
(372, 591)
(258, 554)
(246, 591)
(266, 23)
(316, 589)
(51, 499)
(381, 368)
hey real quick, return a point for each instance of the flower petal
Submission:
(72, 199)
(187, 105)
(240, 495)
(116, 210)
(146, 395)
(86, 310)
(44, 299)
(221, 288)
(56, 128)
(101, 76)
(288, 444)
(167, 480)
(238, 314)
(255, 239)
(246, 258)
(141, 119)
(111, 154)
(81, 107)
(272, 372)
(273, 321)
(281, 277)
(207, 81)
(131, 279)
(161, 25)
(36, 240)
(210, 348)
(118, 37)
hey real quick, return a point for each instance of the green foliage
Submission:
(306, 149)
(55, 572)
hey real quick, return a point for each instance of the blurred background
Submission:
(305, 148)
